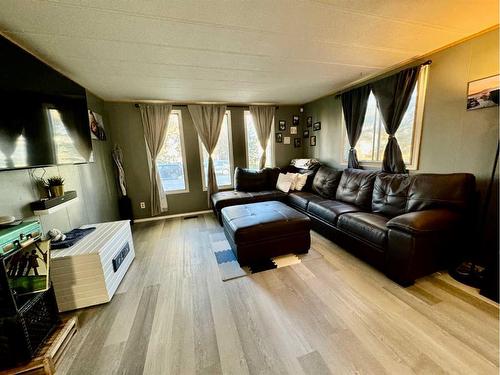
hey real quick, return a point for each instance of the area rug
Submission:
(229, 268)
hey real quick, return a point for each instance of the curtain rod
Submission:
(136, 105)
(375, 78)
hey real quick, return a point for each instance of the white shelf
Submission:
(51, 210)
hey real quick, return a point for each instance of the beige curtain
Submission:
(155, 121)
(207, 120)
(263, 117)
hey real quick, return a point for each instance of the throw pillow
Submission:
(293, 177)
(300, 181)
(284, 183)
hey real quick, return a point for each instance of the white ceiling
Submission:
(259, 51)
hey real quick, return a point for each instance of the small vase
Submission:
(56, 191)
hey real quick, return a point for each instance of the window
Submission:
(371, 144)
(222, 156)
(254, 150)
(171, 161)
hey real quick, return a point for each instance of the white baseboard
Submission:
(172, 216)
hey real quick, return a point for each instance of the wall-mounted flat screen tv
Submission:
(43, 114)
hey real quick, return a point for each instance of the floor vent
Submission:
(190, 217)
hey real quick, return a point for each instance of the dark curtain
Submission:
(354, 104)
(393, 96)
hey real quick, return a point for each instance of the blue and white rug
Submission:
(229, 268)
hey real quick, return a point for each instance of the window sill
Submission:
(173, 192)
(225, 187)
(377, 165)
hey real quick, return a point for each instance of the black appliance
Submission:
(44, 118)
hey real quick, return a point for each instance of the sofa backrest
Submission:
(272, 177)
(390, 194)
(396, 194)
(454, 191)
(326, 181)
(356, 187)
(255, 180)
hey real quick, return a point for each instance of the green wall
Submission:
(94, 183)
(124, 119)
(284, 153)
(328, 111)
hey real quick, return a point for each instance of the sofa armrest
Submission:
(421, 222)
(420, 243)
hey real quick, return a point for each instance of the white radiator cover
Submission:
(83, 275)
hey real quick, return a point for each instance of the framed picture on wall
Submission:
(286, 140)
(305, 134)
(483, 93)
(96, 126)
(295, 120)
(297, 142)
(282, 125)
(312, 140)
(293, 130)
(317, 126)
(309, 121)
(279, 137)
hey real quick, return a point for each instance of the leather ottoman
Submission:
(259, 231)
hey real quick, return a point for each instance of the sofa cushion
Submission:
(231, 198)
(250, 180)
(390, 194)
(364, 225)
(255, 180)
(330, 210)
(356, 187)
(300, 199)
(326, 181)
(452, 191)
(268, 195)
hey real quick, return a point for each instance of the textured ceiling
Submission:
(259, 51)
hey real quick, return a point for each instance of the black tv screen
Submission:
(43, 114)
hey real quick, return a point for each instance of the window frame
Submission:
(178, 113)
(204, 184)
(271, 140)
(417, 128)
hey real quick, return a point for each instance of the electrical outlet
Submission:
(142, 204)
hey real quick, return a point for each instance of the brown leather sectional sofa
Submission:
(407, 226)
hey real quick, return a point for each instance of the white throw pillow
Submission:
(300, 181)
(293, 177)
(284, 183)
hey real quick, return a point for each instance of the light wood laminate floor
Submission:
(172, 314)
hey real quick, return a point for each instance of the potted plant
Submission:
(55, 185)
